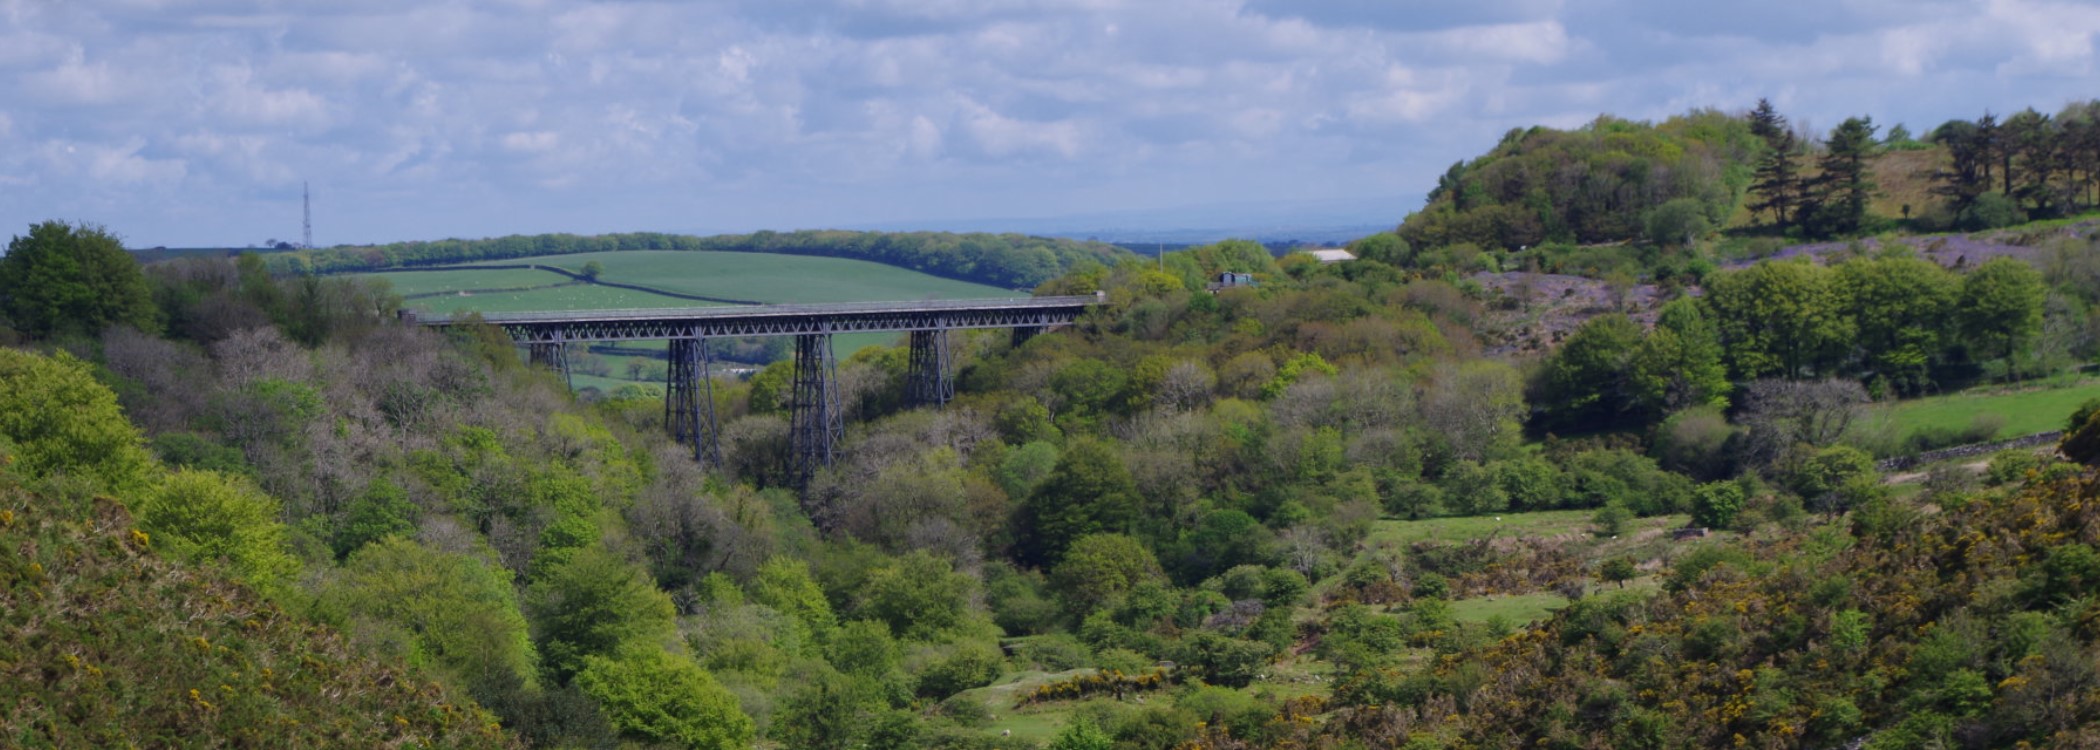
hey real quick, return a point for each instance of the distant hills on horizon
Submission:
(1274, 223)
(1268, 222)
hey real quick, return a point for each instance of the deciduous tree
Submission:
(2000, 309)
(68, 278)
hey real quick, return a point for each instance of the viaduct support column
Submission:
(815, 422)
(1022, 334)
(927, 379)
(551, 354)
(689, 401)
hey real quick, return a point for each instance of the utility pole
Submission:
(306, 201)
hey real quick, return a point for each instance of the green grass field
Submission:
(2026, 410)
(754, 276)
(573, 297)
(408, 283)
(1518, 609)
(1468, 528)
(771, 278)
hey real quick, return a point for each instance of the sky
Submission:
(196, 123)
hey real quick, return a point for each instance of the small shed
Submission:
(1228, 279)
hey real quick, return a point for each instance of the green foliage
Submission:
(110, 644)
(2081, 442)
(1617, 570)
(864, 648)
(1679, 364)
(1677, 223)
(1838, 196)
(593, 605)
(72, 279)
(1827, 472)
(1298, 367)
(1715, 504)
(1611, 520)
(1081, 734)
(1999, 308)
(825, 713)
(1471, 489)
(1220, 659)
(921, 597)
(204, 515)
(658, 697)
(1514, 196)
(1018, 601)
(189, 450)
(59, 421)
(1694, 442)
(1584, 382)
(458, 613)
(1530, 483)
(1027, 466)
(1990, 210)
(1089, 492)
(1779, 319)
(2011, 466)
(963, 666)
(1901, 308)
(1099, 570)
(382, 510)
(1819, 638)
(784, 583)
(1024, 421)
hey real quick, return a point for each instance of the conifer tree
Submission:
(1777, 181)
(1842, 190)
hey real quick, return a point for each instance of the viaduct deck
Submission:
(780, 320)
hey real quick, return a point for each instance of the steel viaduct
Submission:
(815, 422)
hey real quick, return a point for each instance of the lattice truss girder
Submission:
(929, 373)
(553, 355)
(816, 424)
(689, 402)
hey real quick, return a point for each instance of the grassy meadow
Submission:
(412, 283)
(770, 278)
(2025, 410)
(754, 276)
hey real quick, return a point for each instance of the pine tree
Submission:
(2032, 137)
(1968, 165)
(1990, 137)
(1778, 179)
(1766, 122)
(1843, 189)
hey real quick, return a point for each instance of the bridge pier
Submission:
(927, 379)
(689, 401)
(551, 354)
(1022, 334)
(816, 424)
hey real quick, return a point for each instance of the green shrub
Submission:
(205, 515)
(658, 697)
(966, 665)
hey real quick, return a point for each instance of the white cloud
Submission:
(78, 81)
(535, 142)
(491, 116)
(1002, 136)
(1539, 42)
(119, 164)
